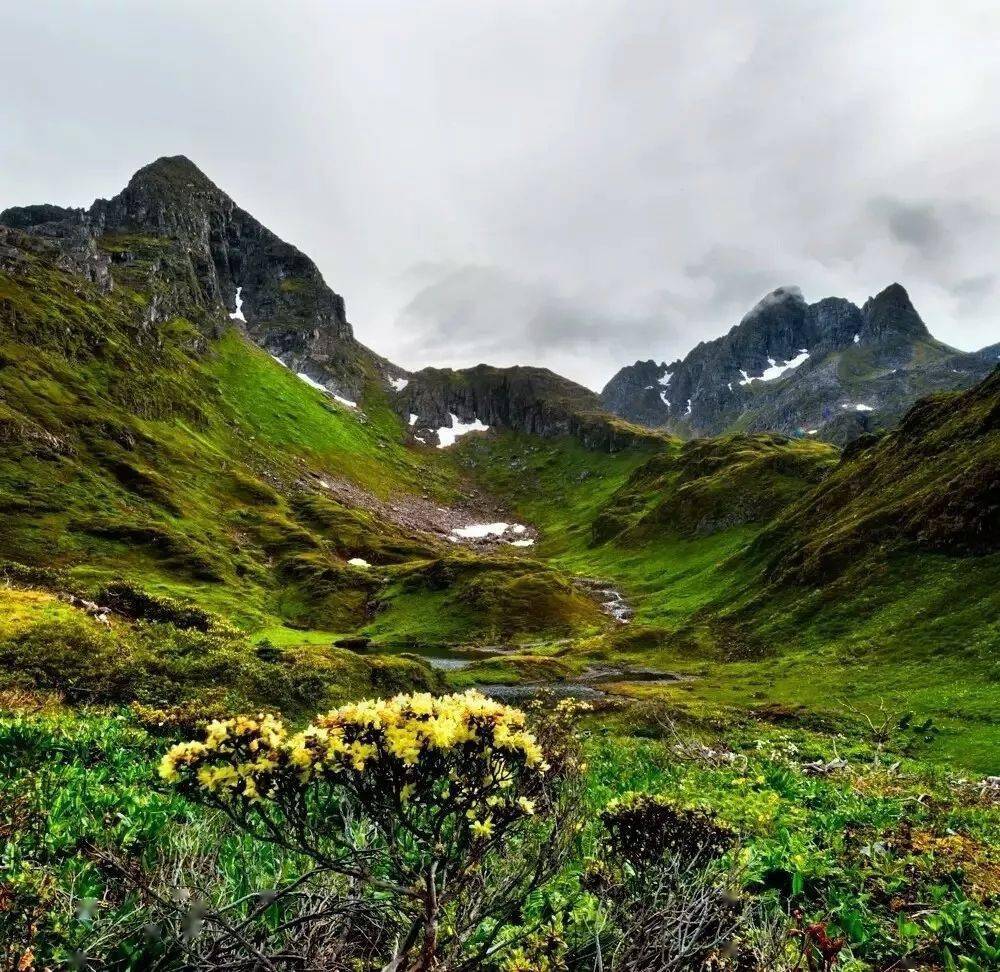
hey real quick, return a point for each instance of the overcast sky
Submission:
(574, 184)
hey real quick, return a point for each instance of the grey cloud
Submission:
(476, 314)
(736, 278)
(917, 225)
(575, 183)
(972, 291)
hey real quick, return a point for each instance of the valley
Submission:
(214, 500)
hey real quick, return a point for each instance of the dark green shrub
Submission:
(139, 605)
(75, 657)
(643, 829)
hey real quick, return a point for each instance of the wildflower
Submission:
(482, 828)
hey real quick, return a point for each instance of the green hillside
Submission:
(790, 650)
(772, 572)
(196, 467)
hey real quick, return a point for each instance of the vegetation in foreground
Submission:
(457, 833)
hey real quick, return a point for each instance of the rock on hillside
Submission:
(828, 369)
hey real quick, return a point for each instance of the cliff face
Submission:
(198, 250)
(829, 369)
(531, 400)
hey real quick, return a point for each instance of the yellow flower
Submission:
(482, 828)
(168, 768)
(526, 805)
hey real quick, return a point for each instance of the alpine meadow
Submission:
(311, 661)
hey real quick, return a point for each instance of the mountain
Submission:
(531, 400)
(146, 440)
(173, 232)
(828, 369)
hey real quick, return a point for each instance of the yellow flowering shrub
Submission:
(414, 795)
(462, 751)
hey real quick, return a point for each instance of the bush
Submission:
(643, 829)
(11, 572)
(139, 605)
(674, 903)
(73, 656)
(443, 815)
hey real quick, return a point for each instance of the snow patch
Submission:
(811, 431)
(665, 379)
(413, 418)
(399, 383)
(687, 411)
(282, 363)
(860, 407)
(420, 439)
(775, 370)
(857, 338)
(237, 314)
(447, 435)
(498, 531)
(664, 399)
(358, 562)
(479, 531)
(312, 382)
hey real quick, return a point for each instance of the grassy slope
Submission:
(905, 629)
(188, 465)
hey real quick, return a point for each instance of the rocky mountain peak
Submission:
(788, 298)
(171, 170)
(891, 313)
(828, 369)
(174, 233)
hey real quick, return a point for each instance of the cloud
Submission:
(467, 315)
(577, 184)
(913, 224)
(972, 292)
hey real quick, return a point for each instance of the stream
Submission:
(610, 599)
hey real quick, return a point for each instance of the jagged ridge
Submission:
(853, 370)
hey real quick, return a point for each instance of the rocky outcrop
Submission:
(828, 369)
(172, 233)
(531, 400)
